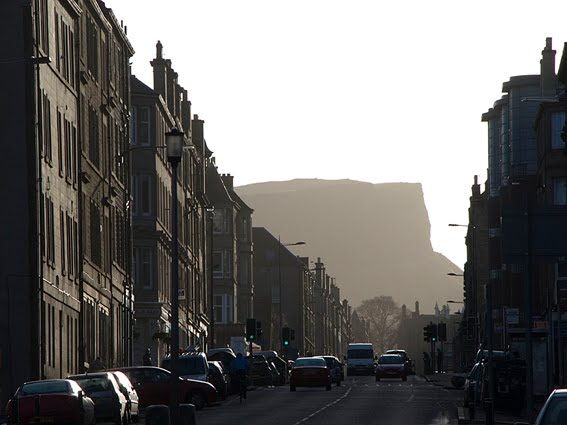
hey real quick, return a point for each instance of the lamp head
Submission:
(174, 145)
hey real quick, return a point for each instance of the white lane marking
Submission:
(305, 419)
(410, 399)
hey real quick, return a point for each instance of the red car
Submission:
(391, 366)
(153, 385)
(310, 372)
(53, 401)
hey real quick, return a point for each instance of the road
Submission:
(360, 400)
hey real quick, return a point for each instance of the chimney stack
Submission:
(186, 113)
(227, 179)
(160, 66)
(198, 131)
(548, 79)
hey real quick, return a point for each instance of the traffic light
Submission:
(286, 335)
(433, 332)
(426, 333)
(258, 329)
(292, 334)
(251, 329)
(442, 331)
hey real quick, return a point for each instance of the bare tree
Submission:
(383, 315)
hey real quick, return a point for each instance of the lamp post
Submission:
(487, 324)
(174, 149)
(280, 245)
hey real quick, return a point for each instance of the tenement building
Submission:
(155, 112)
(65, 286)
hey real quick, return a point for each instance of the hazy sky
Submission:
(367, 90)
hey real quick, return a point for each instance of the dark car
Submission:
(310, 372)
(554, 411)
(336, 369)
(391, 366)
(153, 385)
(471, 387)
(261, 373)
(403, 355)
(56, 401)
(223, 355)
(219, 378)
(103, 389)
(276, 378)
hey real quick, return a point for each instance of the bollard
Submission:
(187, 414)
(157, 415)
(489, 411)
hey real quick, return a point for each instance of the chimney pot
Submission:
(159, 50)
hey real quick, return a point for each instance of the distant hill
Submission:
(373, 238)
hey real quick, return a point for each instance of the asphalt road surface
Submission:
(360, 400)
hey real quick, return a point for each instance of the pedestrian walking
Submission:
(97, 365)
(426, 363)
(439, 361)
(147, 359)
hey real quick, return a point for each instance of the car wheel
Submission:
(377, 378)
(328, 388)
(292, 387)
(339, 383)
(404, 378)
(198, 400)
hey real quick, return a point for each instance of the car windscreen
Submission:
(309, 362)
(390, 360)
(94, 384)
(360, 354)
(555, 412)
(187, 365)
(47, 387)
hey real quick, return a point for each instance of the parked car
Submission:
(103, 389)
(336, 369)
(219, 378)
(153, 385)
(57, 401)
(554, 410)
(472, 385)
(310, 372)
(261, 373)
(224, 355)
(276, 379)
(130, 393)
(281, 364)
(391, 366)
(192, 365)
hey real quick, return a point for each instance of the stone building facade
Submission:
(64, 269)
(155, 112)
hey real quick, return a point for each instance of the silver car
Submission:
(130, 393)
(103, 389)
(554, 411)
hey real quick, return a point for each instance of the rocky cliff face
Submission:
(373, 238)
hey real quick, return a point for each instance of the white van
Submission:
(360, 359)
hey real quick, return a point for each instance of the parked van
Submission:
(190, 366)
(360, 359)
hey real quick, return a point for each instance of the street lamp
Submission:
(280, 245)
(174, 150)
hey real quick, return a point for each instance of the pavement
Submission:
(465, 416)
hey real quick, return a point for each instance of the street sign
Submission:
(539, 232)
(512, 315)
